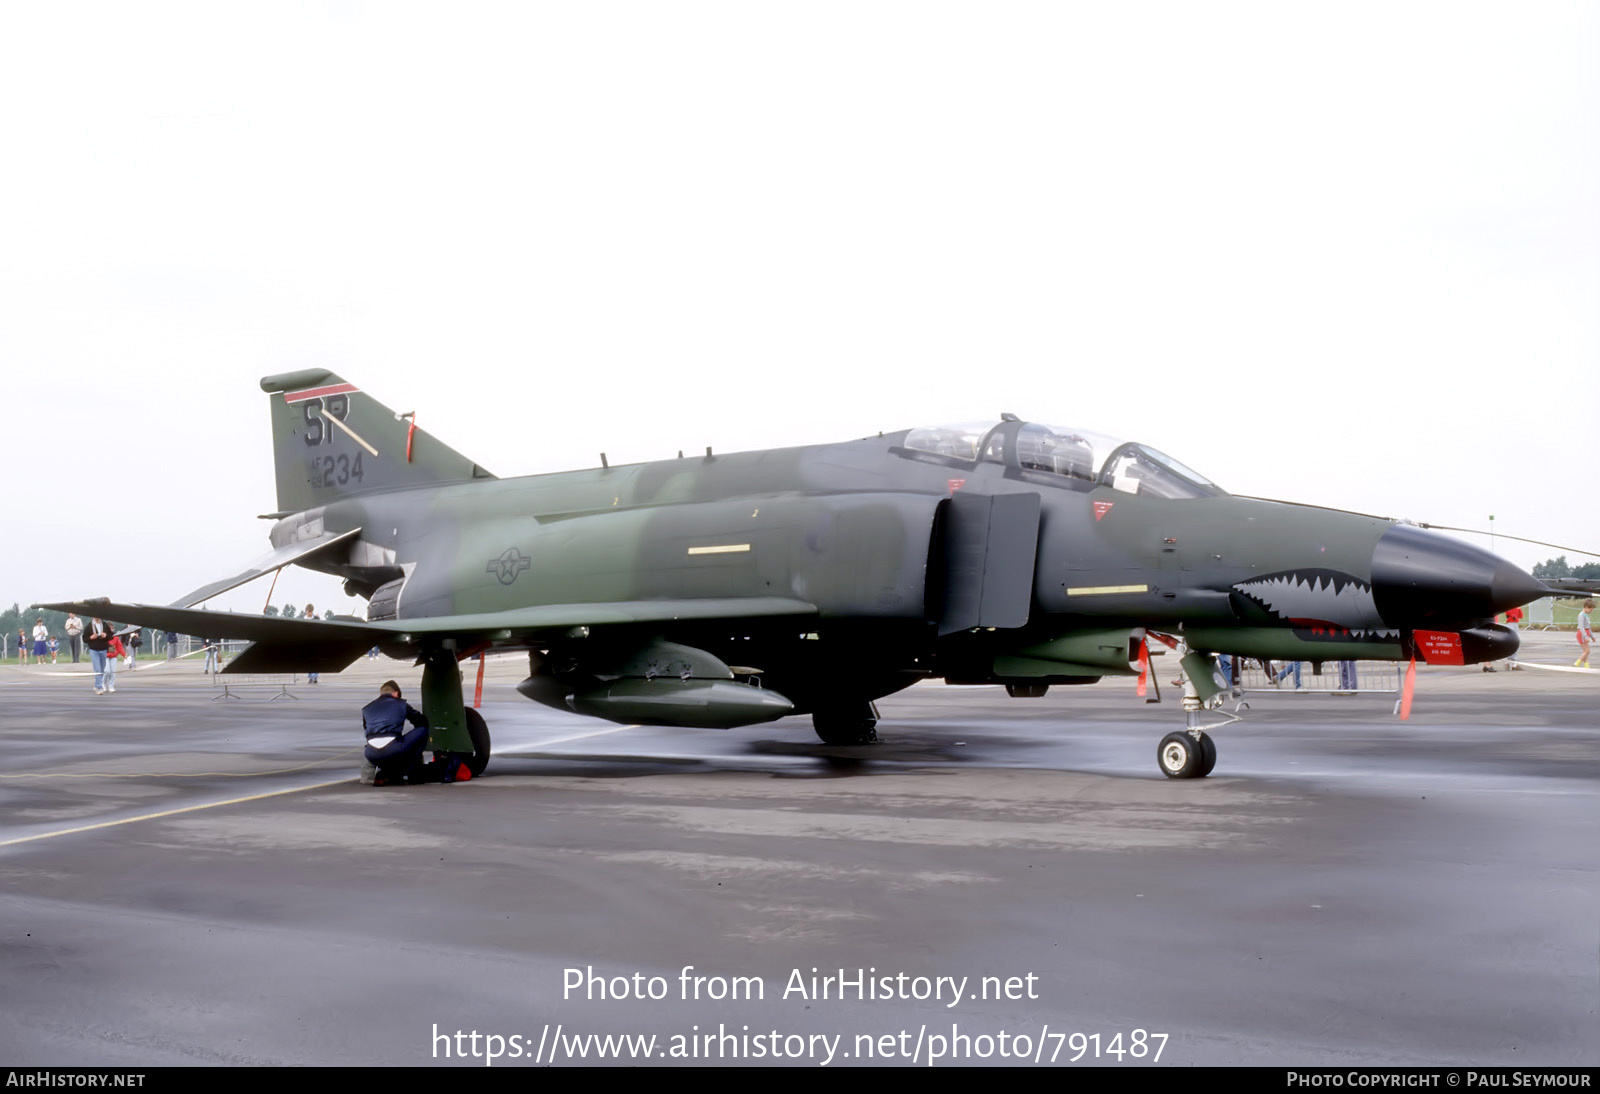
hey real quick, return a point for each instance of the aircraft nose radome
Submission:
(1513, 587)
(1420, 577)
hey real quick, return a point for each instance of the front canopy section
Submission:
(1140, 469)
(1063, 455)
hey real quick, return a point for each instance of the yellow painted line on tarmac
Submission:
(170, 812)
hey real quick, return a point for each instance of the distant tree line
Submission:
(1559, 567)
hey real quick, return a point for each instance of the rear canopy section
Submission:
(330, 440)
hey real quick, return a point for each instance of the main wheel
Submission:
(478, 730)
(1208, 756)
(846, 726)
(1180, 756)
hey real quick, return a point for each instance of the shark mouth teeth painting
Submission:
(1321, 605)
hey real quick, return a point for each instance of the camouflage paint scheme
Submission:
(830, 574)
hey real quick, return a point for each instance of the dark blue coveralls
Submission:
(386, 716)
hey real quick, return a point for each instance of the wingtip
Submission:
(74, 605)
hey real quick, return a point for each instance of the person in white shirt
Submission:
(1585, 634)
(75, 636)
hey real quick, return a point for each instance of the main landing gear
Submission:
(478, 730)
(453, 726)
(846, 724)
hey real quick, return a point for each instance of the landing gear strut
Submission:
(452, 725)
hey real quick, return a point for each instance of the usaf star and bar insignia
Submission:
(509, 565)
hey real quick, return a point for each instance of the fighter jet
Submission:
(723, 590)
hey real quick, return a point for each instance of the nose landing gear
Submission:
(1186, 754)
(1190, 753)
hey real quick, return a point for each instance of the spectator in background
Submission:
(22, 646)
(98, 638)
(1347, 678)
(135, 643)
(41, 641)
(311, 613)
(172, 646)
(74, 635)
(1288, 667)
(1585, 634)
(114, 651)
(55, 647)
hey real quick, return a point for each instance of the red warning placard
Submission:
(1101, 508)
(1439, 647)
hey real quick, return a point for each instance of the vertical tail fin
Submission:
(330, 440)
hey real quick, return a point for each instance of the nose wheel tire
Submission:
(1180, 756)
(478, 730)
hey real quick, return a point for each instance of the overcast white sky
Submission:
(1346, 254)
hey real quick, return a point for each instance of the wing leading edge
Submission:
(318, 645)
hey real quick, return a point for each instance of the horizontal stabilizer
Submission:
(277, 560)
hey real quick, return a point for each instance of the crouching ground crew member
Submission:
(393, 753)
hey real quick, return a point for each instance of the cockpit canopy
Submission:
(1092, 459)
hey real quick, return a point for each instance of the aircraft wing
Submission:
(1571, 586)
(318, 645)
(277, 560)
(313, 645)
